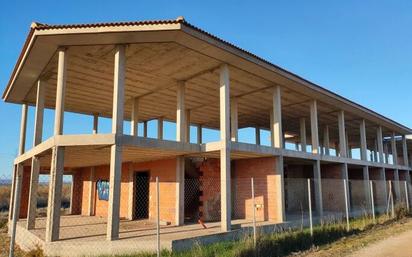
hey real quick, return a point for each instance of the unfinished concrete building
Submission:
(171, 71)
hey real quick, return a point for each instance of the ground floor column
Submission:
(366, 186)
(16, 206)
(34, 182)
(13, 186)
(92, 190)
(55, 191)
(180, 190)
(113, 215)
(280, 183)
(345, 176)
(385, 188)
(396, 184)
(318, 187)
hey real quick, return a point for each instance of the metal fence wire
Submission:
(148, 208)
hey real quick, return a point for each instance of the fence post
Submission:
(310, 208)
(372, 201)
(406, 196)
(345, 185)
(254, 211)
(157, 217)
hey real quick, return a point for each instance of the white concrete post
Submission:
(92, 190)
(234, 119)
(310, 208)
(134, 123)
(326, 143)
(113, 214)
(342, 134)
(16, 207)
(199, 134)
(405, 151)
(225, 188)
(363, 149)
(95, 124)
(302, 123)
(314, 126)
(346, 190)
(35, 164)
(372, 201)
(180, 190)
(345, 177)
(379, 140)
(157, 217)
(57, 162)
(276, 123)
(180, 113)
(394, 150)
(257, 135)
(318, 187)
(160, 128)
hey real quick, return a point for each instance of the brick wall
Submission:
(333, 194)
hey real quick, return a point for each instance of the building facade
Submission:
(170, 72)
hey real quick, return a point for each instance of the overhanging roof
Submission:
(43, 41)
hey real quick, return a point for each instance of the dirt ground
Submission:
(382, 241)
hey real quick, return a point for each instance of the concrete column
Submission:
(379, 140)
(199, 134)
(18, 177)
(375, 151)
(386, 150)
(394, 150)
(366, 186)
(363, 148)
(276, 122)
(35, 164)
(302, 123)
(55, 191)
(345, 175)
(342, 134)
(314, 126)
(95, 124)
(187, 122)
(145, 128)
(318, 187)
(134, 123)
(279, 183)
(385, 188)
(57, 162)
(257, 135)
(60, 92)
(180, 113)
(116, 149)
(234, 120)
(405, 151)
(180, 191)
(225, 183)
(397, 184)
(348, 146)
(92, 190)
(160, 128)
(22, 143)
(326, 140)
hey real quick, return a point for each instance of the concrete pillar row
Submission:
(113, 215)
(225, 181)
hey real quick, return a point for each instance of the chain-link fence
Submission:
(154, 214)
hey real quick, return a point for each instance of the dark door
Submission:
(141, 195)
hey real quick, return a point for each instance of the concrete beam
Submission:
(314, 126)
(342, 134)
(134, 123)
(225, 183)
(113, 214)
(55, 191)
(234, 119)
(180, 113)
(276, 121)
(363, 148)
(60, 91)
(302, 123)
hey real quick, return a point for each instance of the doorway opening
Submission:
(141, 191)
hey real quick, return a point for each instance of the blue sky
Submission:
(359, 49)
